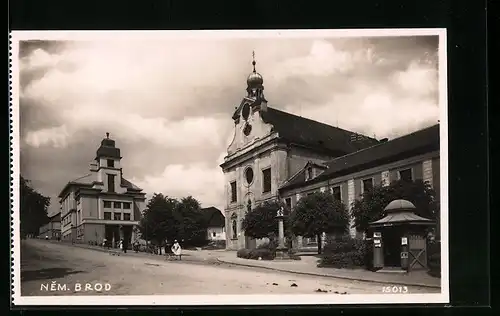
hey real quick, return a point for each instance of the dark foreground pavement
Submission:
(49, 268)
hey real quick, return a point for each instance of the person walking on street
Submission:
(120, 244)
(177, 250)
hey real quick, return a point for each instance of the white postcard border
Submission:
(268, 299)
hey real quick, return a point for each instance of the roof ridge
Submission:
(379, 144)
(321, 123)
(89, 174)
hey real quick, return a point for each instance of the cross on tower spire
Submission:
(253, 61)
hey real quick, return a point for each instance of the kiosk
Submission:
(400, 238)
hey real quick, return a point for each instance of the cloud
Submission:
(205, 182)
(55, 136)
(168, 104)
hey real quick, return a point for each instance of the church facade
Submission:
(269, 147)
(102, 204)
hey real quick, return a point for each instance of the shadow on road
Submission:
(48, 273)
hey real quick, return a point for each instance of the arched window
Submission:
(234, 226)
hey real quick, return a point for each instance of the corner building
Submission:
(101, 204)
(268, 148)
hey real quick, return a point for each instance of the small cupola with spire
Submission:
(255, 84)
(108, 155)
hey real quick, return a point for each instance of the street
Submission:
(51, 268)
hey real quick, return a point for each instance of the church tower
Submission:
(107, 165)
(255, 85)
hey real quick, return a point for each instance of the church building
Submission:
(276, 155)
(268, 148)
(102, 204)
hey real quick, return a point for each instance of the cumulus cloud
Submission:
(168, 104)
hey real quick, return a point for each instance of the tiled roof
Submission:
(86, 179)
(129, 185)
(89, 179)
(300, 176)
(311, 133)
(214, 217)
(425, 140)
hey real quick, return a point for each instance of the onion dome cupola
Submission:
(255, 88)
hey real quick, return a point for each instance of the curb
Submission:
(332, 276)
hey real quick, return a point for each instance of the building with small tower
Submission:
(102, 204)
(268, 148)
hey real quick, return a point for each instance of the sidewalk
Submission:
(308, 266)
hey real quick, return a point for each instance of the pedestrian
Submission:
(177, 250)
(136, 246)
(120, 244)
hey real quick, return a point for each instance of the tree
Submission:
(317, 213)
(370, 207)
(158, 220)
(169, 219)
(261, 222)
(33, 208)
(191, 221)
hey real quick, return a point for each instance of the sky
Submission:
(168, 103)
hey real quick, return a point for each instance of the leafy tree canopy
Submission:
(370, 207)
(166, 218)
(32, 209)
(317, 213)
(261, 222)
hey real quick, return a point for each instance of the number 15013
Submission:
(395, 289)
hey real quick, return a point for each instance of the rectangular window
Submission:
(336, 193)
(126, 217)
(107, 204)
(107, 215)
(111, 183)
(111, 163)
(126, 205)
(117, 216)
(288, 203)
(266, 175)
(233, 192)
(117, 205)
(405, 175)
(367, 184)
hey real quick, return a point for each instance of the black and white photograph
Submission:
(229, 167)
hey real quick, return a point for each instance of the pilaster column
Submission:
(351, 195)
(427, 171)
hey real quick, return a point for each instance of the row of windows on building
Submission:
(117, 205)
(367, 185)
(249, 177)
(116, 216)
